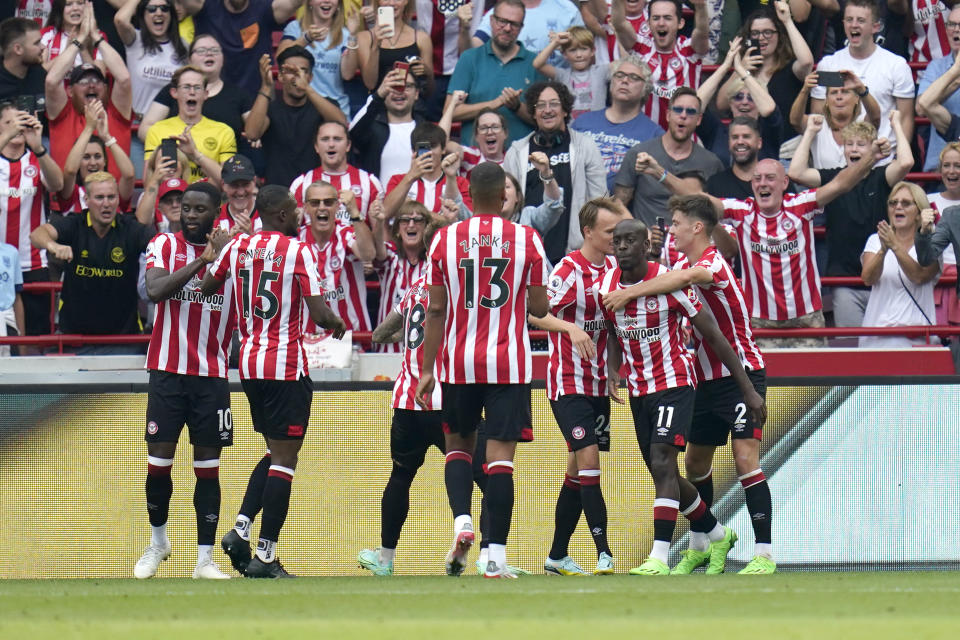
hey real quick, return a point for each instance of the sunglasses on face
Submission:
(690, 111)
(162, 8)
(405, 220)
(740, 97)
(327, 202)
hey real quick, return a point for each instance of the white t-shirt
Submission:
(825, 152)
(941, 203)
(397, 153)
(150, 72)
(890, 304)
(886, 74)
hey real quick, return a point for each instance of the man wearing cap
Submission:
(65, 108)
(239, 214)
(159, 205)
(205, 142)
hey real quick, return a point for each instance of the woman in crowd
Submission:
(72, 20)
(541, 217)
(945, 298)
(154, 47)
(490, 135)
(901, 291)
(384, 45)
(324, 31)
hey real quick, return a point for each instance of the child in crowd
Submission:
(586, 79)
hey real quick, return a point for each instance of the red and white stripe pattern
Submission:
(471, 158)
(725, 299)
(649, 332)
(929, 39)
(444, 31)
(273, 274)
(341, 277)
(781, 280)
(159, 466)
(226, 222)
(754, 477)
(365, 187)
(55, 41)
(191, 333)
(609, 41)
(430, 194)
(207, 469)
(680, 68)
(665, 509)
(21, 207)
(413, 308)
(36, 10)
(574, 290)
(397, 275)
(486, 264)
(284, 473)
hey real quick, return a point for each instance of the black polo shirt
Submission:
(100, 284)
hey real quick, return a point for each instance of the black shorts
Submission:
(36, 306)
(720, 410)
(506, 409)
(200, 402)
(411, 434)
(280, 409)
(663, 417)
(583, 420)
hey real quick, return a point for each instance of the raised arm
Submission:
(803, 61)
(929, 243)
(700, 38)
(161, 284)
(283, 10)
(673, 280)
(798, 110)
(123, 21)
(931, 101)
(582, 341)
(708, 88)
(848, 177)
(901, 165)
(626, 36)
(761, 97)
(72, 162)
(540, 62)
(454, 100)
(363, 245)
(122, 94)
(800, 170)
(258, 121)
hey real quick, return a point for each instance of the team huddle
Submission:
(465, 379)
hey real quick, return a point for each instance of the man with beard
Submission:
(187, 360)
(575, 164)
(646, 196)
(21, 73)
(205, 142)
(743, 142)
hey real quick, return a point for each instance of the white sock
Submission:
(266, 550)
(699, 541)
(717, 533)
(459, 521)
(386, 555)
(242, 527)
(484, 556)
(763, 549)
(158, 537)
(204, 554)
(661, 550)
(497, 554)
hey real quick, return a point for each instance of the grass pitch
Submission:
(789, 605)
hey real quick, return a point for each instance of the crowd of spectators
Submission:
(375, 114)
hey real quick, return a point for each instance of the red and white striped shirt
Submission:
(413, 308)
(680, 68)
(609, 42)
(929, 39)
(574, 290)
(486, 264)
(191, 333)
(725, 299)
(55, 41)
(430, 194)
(274, 273)
(226, 221)
(36, 10)
(471, 158)
(444, 30)
(780, 274)
(365, 186)
(649, 332)
(21, 207)
(397, 275)
(341, 277)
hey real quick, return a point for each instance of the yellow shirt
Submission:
(187, 30)
(213, 139)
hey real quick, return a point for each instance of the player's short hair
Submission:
(591, 210)
(187, 68)
(677, 4)
(487, 181)
(409, 208)
(696, 206)
(318, 184)
(579, 37)
(745, 121)
(864, 4)
(99, 176)
(950, 146)
(296, 51)
(428, 132)
(859, 129)
(271, 198)
(685, 91)
(207, 189)
(12, 29)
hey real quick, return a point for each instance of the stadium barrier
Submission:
(850, 467)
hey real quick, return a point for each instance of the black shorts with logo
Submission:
(200, 402)
(663, 417)
(411, 434)
(505, 407)
(583, 420)
(280, 408)
(720, 409)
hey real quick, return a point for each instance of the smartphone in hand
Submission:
(385, 18)
(829, 78)
(168, 149)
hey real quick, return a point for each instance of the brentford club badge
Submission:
(334, 262)
(30, 171)
(357, 191)
(652, 305)
(675, 64)
(578, 433)
(152, 428)
(787, 225)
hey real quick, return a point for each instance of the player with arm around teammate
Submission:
(720, 407)
(661, 383)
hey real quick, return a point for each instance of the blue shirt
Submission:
(11, 277)
(934, 70)
(483, 76)
(326, 79)
(614, 140)
(549, 15)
